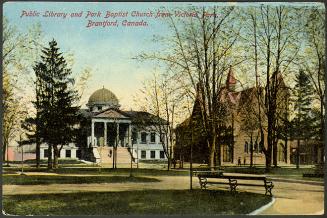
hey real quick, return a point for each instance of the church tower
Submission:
(230, 81)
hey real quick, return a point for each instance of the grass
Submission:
(45, 161)
(104, 171)
(50, 179)
(146, 202)
(281, 171)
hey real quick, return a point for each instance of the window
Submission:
(143, 137)
(68, 153)
(161, 137)
(153, 154)
(260, 147)
(246, 147)
(143, 154)
(256, 147)
(45, 153)
(227, 157)
(99, 108)
(153, 137)
(162, 154)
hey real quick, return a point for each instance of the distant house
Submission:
(235, 139)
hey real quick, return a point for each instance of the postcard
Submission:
(163, 108)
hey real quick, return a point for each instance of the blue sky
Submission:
(107, 51)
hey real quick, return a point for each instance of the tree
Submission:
(16, 58)
(199, 52)
(162, 99)
(302, 121)
(248, 114)
(273, 34)
(57, 100)
(314, 57)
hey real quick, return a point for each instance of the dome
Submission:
(103, 97)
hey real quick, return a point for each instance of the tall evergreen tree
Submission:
(56, 102)
(302, 97)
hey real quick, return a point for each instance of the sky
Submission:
(108, 51)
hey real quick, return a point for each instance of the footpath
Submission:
(292, 197)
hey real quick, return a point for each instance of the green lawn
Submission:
(104, 171)
(45, 161)
(49, 179)
(178, 202)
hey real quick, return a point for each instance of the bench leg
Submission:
(269, 186)
(203, 182)
(233, 185)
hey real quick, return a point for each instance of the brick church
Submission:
(236, 140)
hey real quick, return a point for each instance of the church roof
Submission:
(230, 77)
(103, 97)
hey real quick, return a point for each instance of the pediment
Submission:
(111, 113)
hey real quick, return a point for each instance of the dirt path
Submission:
(291, 198)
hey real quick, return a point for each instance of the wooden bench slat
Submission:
(203, 179)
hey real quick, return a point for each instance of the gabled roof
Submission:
(111, 113)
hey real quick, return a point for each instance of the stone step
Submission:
(123, 155)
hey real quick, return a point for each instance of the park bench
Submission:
(233, 180)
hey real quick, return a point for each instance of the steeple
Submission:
(230, 81)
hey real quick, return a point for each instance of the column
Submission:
(105, 134)
(129, 135)
(117, 136)
(92, 134)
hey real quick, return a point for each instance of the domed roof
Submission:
(103, 97)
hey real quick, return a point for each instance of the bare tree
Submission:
(273, 37)
(199, 52)
(314, 57)
(17, 53)
(161, 98)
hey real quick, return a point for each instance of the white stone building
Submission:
(109, 133)
(121, 134)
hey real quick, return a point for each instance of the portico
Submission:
(111, 128)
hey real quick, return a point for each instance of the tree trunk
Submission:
(50, 166)
(37, 154)
(268, 153)
(56, 152)
(298, 154)
(274, 145)
(285, 150)
(5, 143)
(268, 161)
(168, 164)
(211, 154)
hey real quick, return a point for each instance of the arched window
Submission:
(256, 148)
(246, 147)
